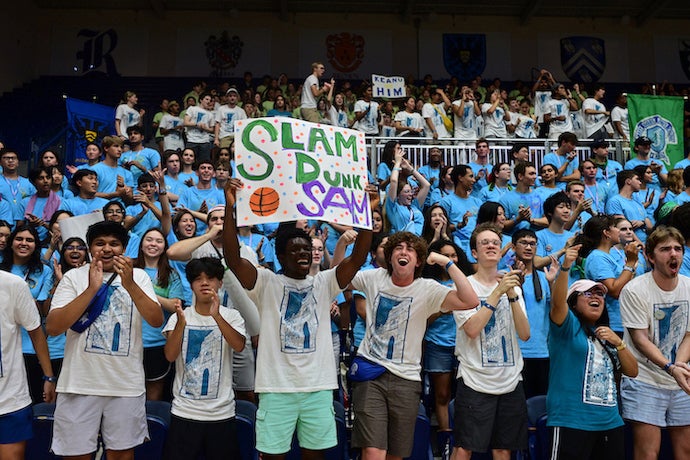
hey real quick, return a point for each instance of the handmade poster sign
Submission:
(293, 169)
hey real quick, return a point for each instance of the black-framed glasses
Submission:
(75, 248)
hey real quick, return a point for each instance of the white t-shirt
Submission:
(465, 127)
(127, 116)
(429, 111)
(593, 122)
(308, 100)
(198, 115)
(203, 370)
(17, 310)
(369, 124)
(541, 104)
(665, 317)
(227, 116)
(558, 108)
(396, 320)
(409, 120)
(296, 350)
(494, 124)
(621, 114)
(105, 359)
(492, 362)
(173, 140)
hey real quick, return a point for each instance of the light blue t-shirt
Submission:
(537, 315)
(631, 209)
(153, 336)
(193, 197)
(512, 201)
(14, 191)
(655, 183)
(405, 218)
(149, 159)
(107, 177)
(80, 206)
(600, 266)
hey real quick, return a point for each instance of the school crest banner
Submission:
(464, 55)
(583, 59)
(293, 169)
(660, 118)
(86, 122)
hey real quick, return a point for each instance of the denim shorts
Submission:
(438, 358)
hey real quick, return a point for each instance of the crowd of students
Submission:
(531, 264)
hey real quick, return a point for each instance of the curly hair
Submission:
(417, 243)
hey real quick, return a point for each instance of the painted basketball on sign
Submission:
(264, 201)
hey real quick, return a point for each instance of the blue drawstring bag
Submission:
(94, 309)
(363, 370)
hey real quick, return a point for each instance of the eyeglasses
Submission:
(590, 294)
(75, 248)
(528, 244)
(114, 211)
(489, 242)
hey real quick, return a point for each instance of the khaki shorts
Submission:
(226, 141)
(122, 423)
(310, 115)
(385, 413)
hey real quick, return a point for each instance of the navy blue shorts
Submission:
(16, 426)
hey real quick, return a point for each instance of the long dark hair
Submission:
(164, 268)
(64, 262)
(437, 272)
(176, 221)
(593, 232)
(428, 231)
(34, 264)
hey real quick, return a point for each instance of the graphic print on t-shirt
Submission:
(497, 345)
(390, 327)
(111, 332)
(599, 387)
(671, 322)
(298, 321)
(202, 362)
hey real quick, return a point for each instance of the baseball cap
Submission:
(583, 286)
(599, 143)
(643, 140)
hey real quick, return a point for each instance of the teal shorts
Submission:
(279, 414)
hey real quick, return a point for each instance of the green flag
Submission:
(660, 118)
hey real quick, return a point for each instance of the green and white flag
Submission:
(660, 118)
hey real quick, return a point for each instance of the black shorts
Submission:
(485, 421)
(572, 444)
(188, 439)
(156, 367)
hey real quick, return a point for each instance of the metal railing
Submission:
(462, 151)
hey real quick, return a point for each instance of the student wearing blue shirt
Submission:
(461, 207)
(188, 174)
(555, 237)
(203, 193)
(22, 257)
(537, 294)
(13, 187)
(139, 159)
(439, 340)
(624, 205)
(114, 181)
(481, 167)
(39, 207)
(146, 212)
(86, 200)
(499, 183)
(174, 184)
(643, 148)
(604, 264)
(580, 207)
(167, 285)
(383, 171)
(606, 168)
(522, 206)
(565, 158)
(403, 208)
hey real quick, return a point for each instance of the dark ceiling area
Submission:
(633, 12)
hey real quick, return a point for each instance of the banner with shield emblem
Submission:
(583, 59)
(464, 55)
(660, 118)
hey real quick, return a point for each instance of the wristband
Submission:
(484, 303)
(565, 269)
(621, 347)
(628, 268)
(397, 169)
(449, 264)
(51, 378)
(668, 366)
(513, 299)
(163, 192)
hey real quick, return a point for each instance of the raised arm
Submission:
(182, 250)
(464, 297)
(347, 269)
(243, 269)
(559, 289)
(474, 326)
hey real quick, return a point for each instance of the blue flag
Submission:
(86, 122)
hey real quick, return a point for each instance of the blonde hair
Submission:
(675, 181)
